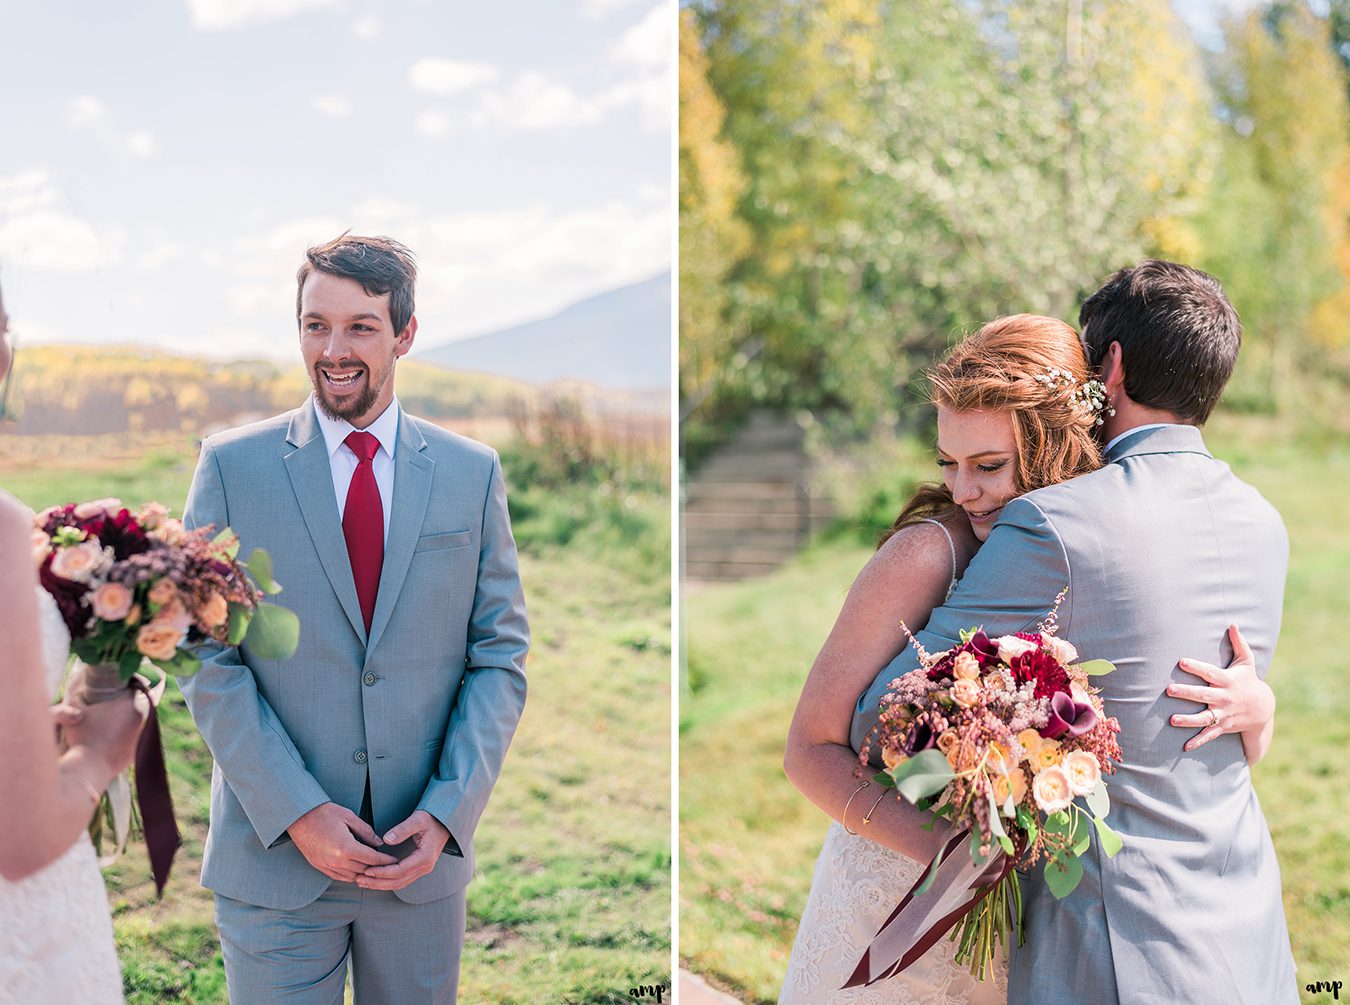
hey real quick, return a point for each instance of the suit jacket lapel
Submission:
(312, 481)
(413, 471)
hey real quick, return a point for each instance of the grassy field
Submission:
(571, 903)
(748, 840)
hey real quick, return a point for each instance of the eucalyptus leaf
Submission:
(1062, 875)
(1056, 823)
(884, 780)
(1082, 833)
(274, 632)
(924, 774)
(1096, 668)
(260, 568)
(230, 539)
(1110, 840)
(976, 840)
(1027, 821)
(1098, 801)
(239, 619)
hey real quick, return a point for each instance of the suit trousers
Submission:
(400, 953)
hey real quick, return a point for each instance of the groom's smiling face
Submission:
(977, 453)
(349, 346)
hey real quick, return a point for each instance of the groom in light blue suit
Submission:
(349, 780)
(1161, 550)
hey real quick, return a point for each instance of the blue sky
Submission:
(163, 165)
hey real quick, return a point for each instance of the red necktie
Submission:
(363, 523)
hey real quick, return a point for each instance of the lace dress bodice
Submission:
(56, 938)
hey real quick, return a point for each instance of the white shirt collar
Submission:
(1138, 429)
(336, 431)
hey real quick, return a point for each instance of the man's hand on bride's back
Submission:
(337, 842)
(1238, 700)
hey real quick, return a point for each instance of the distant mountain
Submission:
(619, 340)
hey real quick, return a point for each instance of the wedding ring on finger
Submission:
(1213, 717)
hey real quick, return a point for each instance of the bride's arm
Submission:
(46, 800)
(904, 581)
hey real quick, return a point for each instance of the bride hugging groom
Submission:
(1047, 485)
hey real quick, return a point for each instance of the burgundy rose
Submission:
(123, 534)
(1044, 669)
(1068, 716)
(1034, 637)
(942, 669)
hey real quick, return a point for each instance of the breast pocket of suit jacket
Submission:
(443, 542)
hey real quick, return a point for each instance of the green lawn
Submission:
(571, 903)
(748, 840)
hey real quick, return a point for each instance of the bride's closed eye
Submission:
(943, 463)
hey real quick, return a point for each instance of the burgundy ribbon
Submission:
(895, 944)
(152, 795)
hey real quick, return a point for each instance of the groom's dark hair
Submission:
(380, 264)
(1178, 335)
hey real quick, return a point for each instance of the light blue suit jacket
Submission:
(427, 705)
(1161, 550)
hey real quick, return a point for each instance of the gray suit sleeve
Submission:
(247, 740)
(1009, 586)
(492, 694)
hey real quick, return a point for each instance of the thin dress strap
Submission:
(950, 544)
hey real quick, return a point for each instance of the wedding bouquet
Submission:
(998, 736)
(138, 588)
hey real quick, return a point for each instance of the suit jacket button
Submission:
(359, 757)
(369, 678)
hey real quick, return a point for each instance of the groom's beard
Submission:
(352, 408)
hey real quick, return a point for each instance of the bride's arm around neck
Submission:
(45, 798)
(903, 582)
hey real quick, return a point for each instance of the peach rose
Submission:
(110, 506)
(966, 693)
(996, 681)
(1083, 771)
(152, 515)
(1000, 758)
(213, 613)
(41, 546)
(162, 592)
(892, 757)
(133, 615)
(1061, 650)
(80, 562)
(1048, 755)
(173, 615)
(112, 602)
(158, 642)
(1013, 784)
(1052, 789)
(1031, 741)
(966, 667)
(947, 740)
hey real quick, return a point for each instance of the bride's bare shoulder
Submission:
(16, 527)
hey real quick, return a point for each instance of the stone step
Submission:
(748, 535)
(700, 521)
(761, 555)
(727, 571)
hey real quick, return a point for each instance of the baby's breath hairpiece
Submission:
(1090, 397)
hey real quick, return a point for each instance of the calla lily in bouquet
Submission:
(138, 588)
(999, 737)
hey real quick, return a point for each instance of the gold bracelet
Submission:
(88, 786)
(843, 817)
(868, 819)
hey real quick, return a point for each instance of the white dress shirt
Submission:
(342, 462)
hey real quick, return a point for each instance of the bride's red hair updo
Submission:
(1008, 364)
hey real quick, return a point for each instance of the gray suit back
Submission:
(1161, 550)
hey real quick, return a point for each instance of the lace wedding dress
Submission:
(856, 886)
(56, 937)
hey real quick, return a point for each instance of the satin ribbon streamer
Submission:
(152, 791)
(921, 919)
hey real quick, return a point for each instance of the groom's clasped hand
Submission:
(344, 847)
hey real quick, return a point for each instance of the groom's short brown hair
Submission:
(380, 264)
(1178, 335)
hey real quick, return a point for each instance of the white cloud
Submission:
(141, 143)
(161, 254)
(25, 192)
(597, 9)
(367, 27)
(55, 239)
(221, 15)
(647, 43)
(447, 76)
(432, 123)
(333, 104)
(87, 112)
(532, 101)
